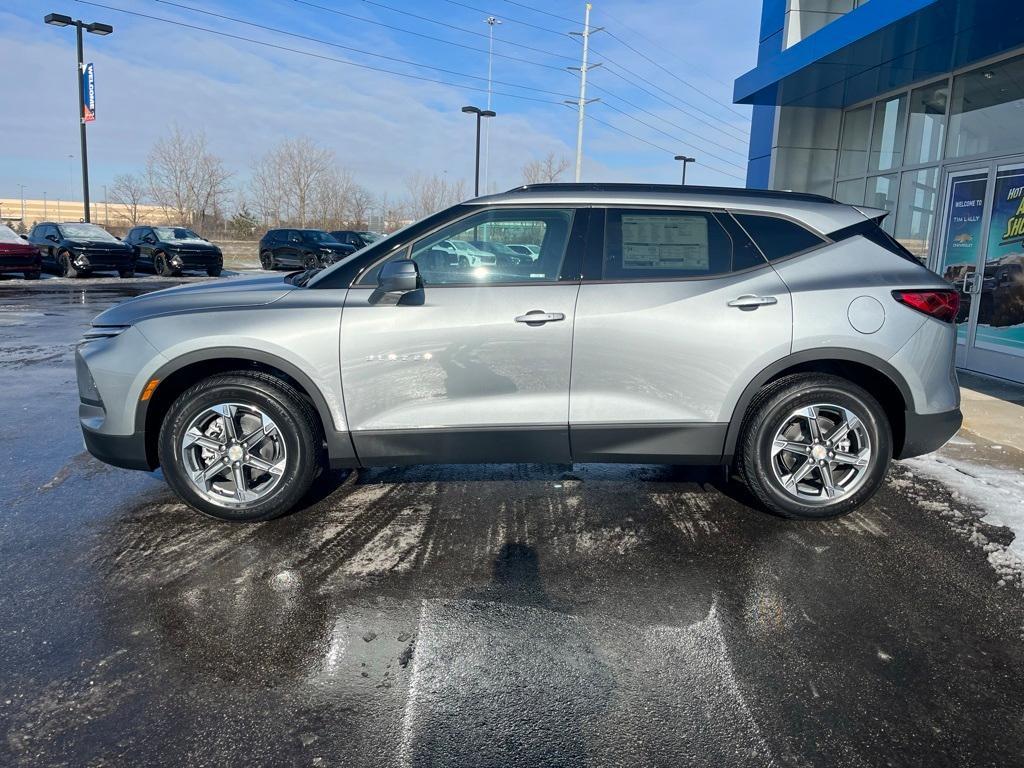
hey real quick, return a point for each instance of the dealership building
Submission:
(916, 107)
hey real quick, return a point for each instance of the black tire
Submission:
(126, 274)
(163, 267)
(267, 260)
(767, 413)
(33, 275)
(295, 417)
(213, 271)
(67, 268)
(310, 261)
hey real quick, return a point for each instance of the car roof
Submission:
(816, 211)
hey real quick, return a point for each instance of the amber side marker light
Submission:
(149, 390)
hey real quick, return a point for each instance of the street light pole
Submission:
(480, 113)
(22, 187)
(96, 28)
(490, 21)
(685, 161)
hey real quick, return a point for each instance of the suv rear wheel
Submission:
(814, 446)
(241, 446)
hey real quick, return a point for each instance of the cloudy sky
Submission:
(666, 79)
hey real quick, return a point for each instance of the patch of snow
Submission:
(997, 494)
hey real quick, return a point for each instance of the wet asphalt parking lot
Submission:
(477, 616)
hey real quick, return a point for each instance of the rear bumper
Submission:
(20, 263)
(924, 433)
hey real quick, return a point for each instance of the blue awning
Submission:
(881, 46)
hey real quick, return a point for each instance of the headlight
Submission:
(97, 332)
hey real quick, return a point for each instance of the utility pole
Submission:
(46, 210)
(96, 28)
(490, 21)
(581, 103)
(685, 161)
(106, 209)
(22, 187)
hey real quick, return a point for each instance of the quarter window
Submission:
(777, 237)
(672, 244)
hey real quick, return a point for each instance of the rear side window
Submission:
(777, 237)
(672, 244)
(870, 230)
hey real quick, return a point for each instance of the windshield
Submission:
(8, 235)
(319, 237)
(371, 237)
(86, 232)
(176, 233)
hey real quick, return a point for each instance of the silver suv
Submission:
(783, 335)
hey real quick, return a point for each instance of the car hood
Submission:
(98, 245)
(222, 294)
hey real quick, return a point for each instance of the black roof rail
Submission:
(672, 188)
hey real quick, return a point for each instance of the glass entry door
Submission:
(982, 255)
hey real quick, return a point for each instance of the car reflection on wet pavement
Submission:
(475, 615)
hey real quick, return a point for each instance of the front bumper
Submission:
(105, 260)
(927, 432)
(127, 451)
(195, 260)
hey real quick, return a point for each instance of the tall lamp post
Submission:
(96, 28)
(22, 187)
(685, 161)
(480, 113)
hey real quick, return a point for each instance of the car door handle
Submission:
(749, 301)
(539, 317)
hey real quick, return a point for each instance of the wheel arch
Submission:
(181, 373)
(872, 373)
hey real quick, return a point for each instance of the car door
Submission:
(290, 251)
(47, 243)
(476, 368)
(147, 243)
(677, 312)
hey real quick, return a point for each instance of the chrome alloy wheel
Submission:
(233, 454)
(821, 453)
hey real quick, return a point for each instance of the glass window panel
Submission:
(927, 129)
(778, 238)
(853, 154)
(915, 212)
(881, 193)
(987, 109)
(850, 192)
(476, 249)
(888, 134)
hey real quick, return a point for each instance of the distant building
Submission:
(916, 107)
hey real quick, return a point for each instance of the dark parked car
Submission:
(16, 255)
(77, 249)
(356, 239)
(171, 250)
(306, 248)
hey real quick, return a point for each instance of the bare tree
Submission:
(288, 183)
(360, 202)
(185, 179)
(129, 192)
(429, 194)
(545, 171)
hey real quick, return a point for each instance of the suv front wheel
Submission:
(814, 446)
(242, 446)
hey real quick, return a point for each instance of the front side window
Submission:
(667, 245)
(475, 250)
(777, 237)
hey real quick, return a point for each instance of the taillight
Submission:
(942, 305)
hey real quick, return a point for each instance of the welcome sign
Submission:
(88, 93)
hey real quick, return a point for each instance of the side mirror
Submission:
(24, 237)
(397, 280)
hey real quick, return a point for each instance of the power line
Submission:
(336, 12)
(514, 21)
(313, 55)
(320, 41)
(669, 135)
(590, 116)
(630, 47)
(466, 31)
(673, 75)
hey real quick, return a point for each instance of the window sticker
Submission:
(665, 242)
